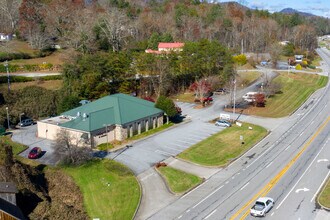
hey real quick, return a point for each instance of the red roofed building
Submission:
(166, 47)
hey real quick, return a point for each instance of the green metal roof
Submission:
(113, 109)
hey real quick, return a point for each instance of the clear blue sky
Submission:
(317, 7)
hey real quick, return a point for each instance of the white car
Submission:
(262, 206)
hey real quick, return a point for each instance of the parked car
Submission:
(221, 91)
(264, 63)
(262, 206)
(35, 153)
(26, 122)
(223, 123)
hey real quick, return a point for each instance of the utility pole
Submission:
(234, 96)
(6, 65)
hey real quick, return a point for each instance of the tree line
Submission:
(117, 25)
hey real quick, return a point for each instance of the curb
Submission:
(319, 194)
(140, 199)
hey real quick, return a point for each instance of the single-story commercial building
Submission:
(113, 117)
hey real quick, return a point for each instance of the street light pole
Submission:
(234, 96)
(6, 65)
(20, 118)
(7, 117)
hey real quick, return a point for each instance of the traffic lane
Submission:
(247, 160)
(145, 154)
(285, 155)
(301, 194)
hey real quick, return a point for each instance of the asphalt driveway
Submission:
(28, 136)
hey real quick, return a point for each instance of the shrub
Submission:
(13, 56)
(311, 67)
(240, 59)
(105, 146)
(298, 67)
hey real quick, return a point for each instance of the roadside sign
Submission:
(241, 137)
(225, 116)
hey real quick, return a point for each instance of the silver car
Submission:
(223, 123)
(262, 206)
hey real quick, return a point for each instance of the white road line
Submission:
(227, 182)
(301, 134)
(272, 214)
(163, 152)
(269, 164)
(287, 148)
(299, 179)
(312, 123)
(245, 186)
(194, 189)
(207, 197)
(180, 217)
(210, 214)
(179, 145)
(317, 191)
(188, 210)
(172, 148)
(258, 157)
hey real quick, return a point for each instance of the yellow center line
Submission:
(277, 178)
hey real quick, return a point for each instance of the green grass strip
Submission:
(179, 181)
(223, 147)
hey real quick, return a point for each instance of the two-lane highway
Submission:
(282, 166)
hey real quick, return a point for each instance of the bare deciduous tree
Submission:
(116, 27)
(9, 14)
(71, 150)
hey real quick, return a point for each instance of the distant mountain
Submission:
(293, 11)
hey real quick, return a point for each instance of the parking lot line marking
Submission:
(163, 152)
(146, 177)
(210, 214)
(172, 148)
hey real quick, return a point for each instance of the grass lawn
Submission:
(179, 181)
(296, 88)
(17, 148)
(246, 78)
(316, 61)
(185, 97)
(110, 189)
(49, 84)
(324, 198)
(223, 147)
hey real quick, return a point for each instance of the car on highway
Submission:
(35, 153)
(262, 206)
(223, 123)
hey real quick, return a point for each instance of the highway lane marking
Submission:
(287, 148)
(272, 214)
(322, 160)
(301, 175)
(301, 134)
(317, 191)
(259, 157)
(312, 122)
(194, 189)
(172, 148)
(207, 197)
(279, 175)
(303, 189)
(188, 210)
(210, 214)
(269, 164)
(180, 217)
(245, 186)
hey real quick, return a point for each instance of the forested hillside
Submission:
(125, 24)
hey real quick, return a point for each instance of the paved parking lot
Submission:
(28, 136)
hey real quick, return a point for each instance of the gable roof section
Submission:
(170, 45)
(11, 209)
(113, 109)
(8, 187)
